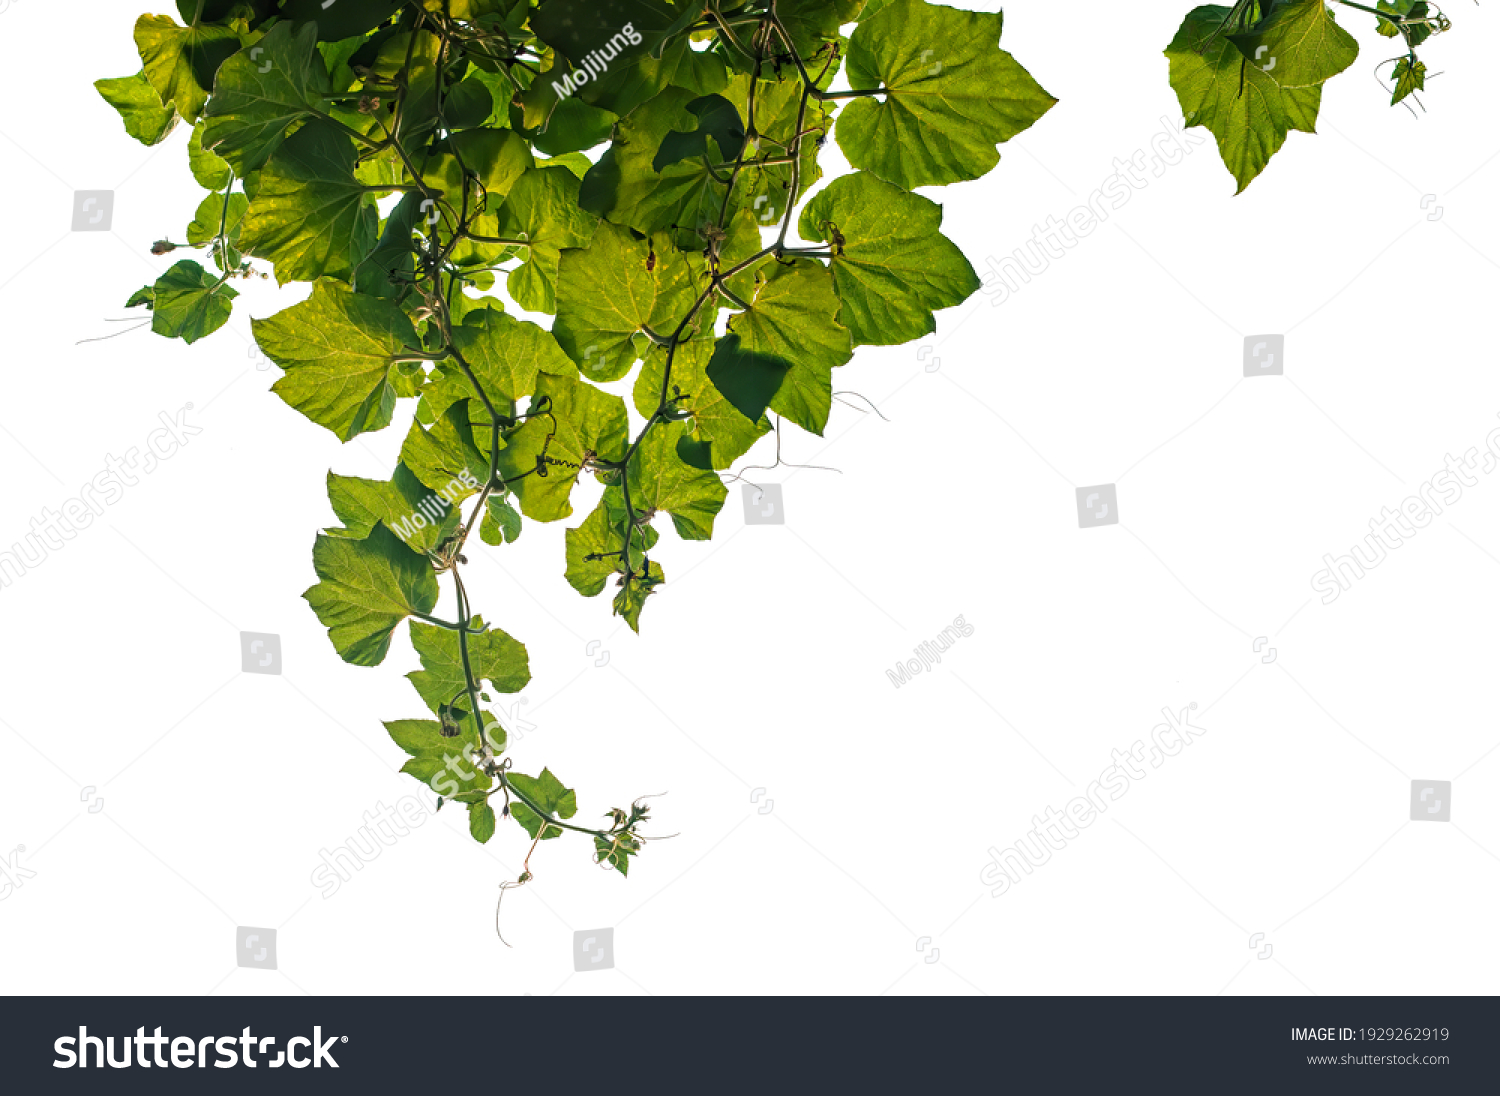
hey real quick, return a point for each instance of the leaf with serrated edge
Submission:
(662, 480)
(256, 98)
(1299, 45)
(581, 419)
(951, 95)
(140, 107)
(892, 266)
(366, 588)
(548, 793)
(493, 655)
(310, 216)
(338, 349)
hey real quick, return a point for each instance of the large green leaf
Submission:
(310, 216)
(545, 456)
(1298, 44)
(611, 290)
(1243, 107)
(257, 97)
(542, 207)
(339, 349)
(891, 266)
(140, 107)
(366, 588)
(493, 655)
(180, 62)
(661, 480)
(507, 354)
(792, 327)
(403, 504)
(951, 95)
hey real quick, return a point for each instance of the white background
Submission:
(762, 663)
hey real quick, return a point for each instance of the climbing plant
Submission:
(1253, 72)
(441, 170)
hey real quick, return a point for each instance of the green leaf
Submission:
(542, 207)
(626, 188)
(612, 289)
(493, 655)
(187, 302)
(720, 406)
(257, 98)
(345, 20)
(596, 549)
(425, 737)
(400, 504)
(718, 121)
(1244, 108)
(548, 793)
(1413, 10)
(445, 458)
(461, 780)
(140, 107)
(211, 213)
(481, 822)
(790, 327)
(366, 588)
(573, 126)
(951, 95)
(1409, 77)
(380, 271)
(545, 456)
(211, 170)
(507, 355)
(1298, 44)
(180, 62)
(661, 480)
(814, 22)
(338, 349)
(616, 851)
(310, 216)
(629, 602)
(1301, 106)
(891, 266)
(501, 521)
(748, 381)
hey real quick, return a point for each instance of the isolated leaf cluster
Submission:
(503, 205)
